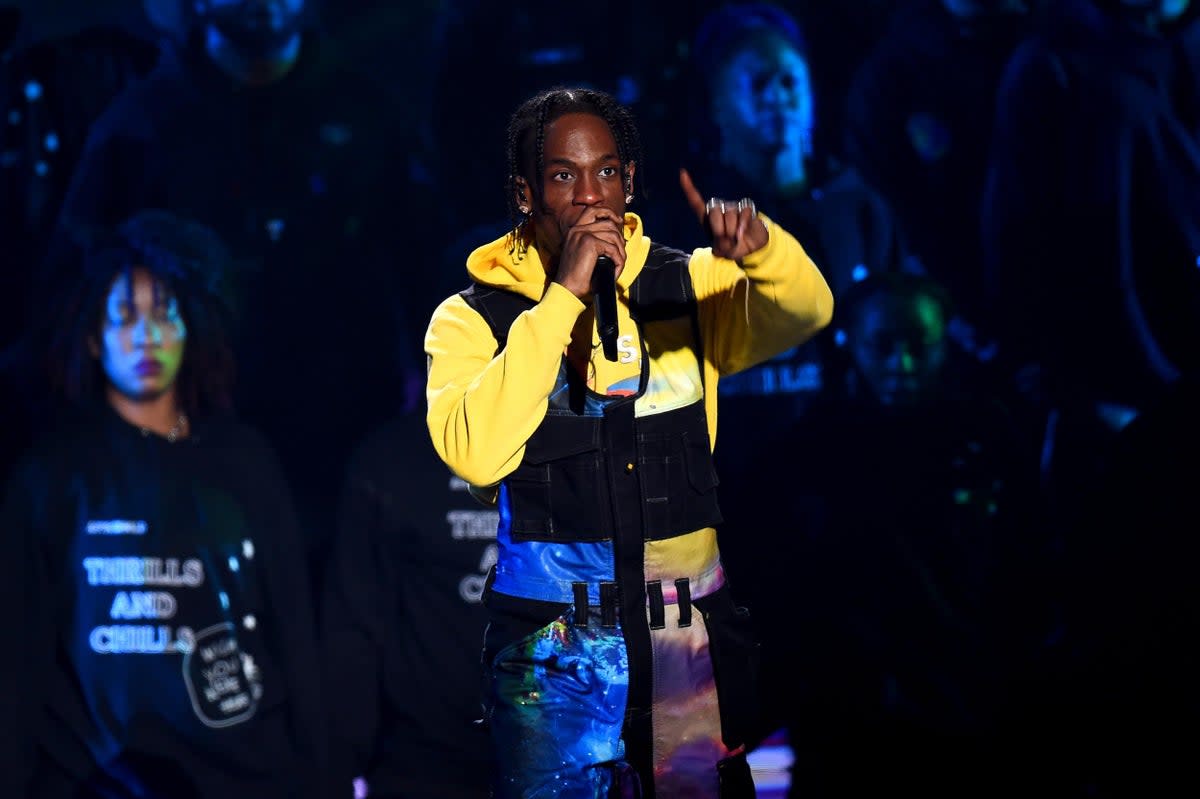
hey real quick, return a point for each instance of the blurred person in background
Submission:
(402, 621)
(168, 646)
(907, 586)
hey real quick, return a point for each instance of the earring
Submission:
(628, 192)
(524, 209)
(628, 198)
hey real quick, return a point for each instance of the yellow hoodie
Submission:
(484, 404)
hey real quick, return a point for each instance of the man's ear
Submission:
(522, 195)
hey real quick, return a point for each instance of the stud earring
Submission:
(524, 209)
(628, 199)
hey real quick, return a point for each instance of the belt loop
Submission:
(658, 615)
(683, 587)
(581, 603)
(608, 604)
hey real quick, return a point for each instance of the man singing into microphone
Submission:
(615, 655)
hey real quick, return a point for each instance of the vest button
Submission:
(628, 468)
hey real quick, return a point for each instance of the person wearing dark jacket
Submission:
(403, 622)
(157, 580)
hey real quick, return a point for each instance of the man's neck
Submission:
(256, 70)
(159, 415)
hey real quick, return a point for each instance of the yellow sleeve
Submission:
(775, 300)
(483, 405)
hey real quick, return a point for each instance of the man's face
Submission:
(582, 169)
(899, 348)
(762, 97)
(253, 26)
(142, 336)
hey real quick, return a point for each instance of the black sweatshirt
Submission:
(160, 598)
(402, 623)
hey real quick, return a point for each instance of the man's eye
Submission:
(608, 171)
(562, 176)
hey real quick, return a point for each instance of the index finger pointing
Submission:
(692, 195)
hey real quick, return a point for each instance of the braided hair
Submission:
(527, 135)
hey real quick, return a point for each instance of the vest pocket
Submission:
(678, 484)
(560, 490)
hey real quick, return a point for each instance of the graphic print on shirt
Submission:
(223, 682)
(140, 608)
(151, 588)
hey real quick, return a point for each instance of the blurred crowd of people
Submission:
(958, 515)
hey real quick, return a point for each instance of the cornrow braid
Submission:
(527, 135)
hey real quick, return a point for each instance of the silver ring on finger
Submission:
(712, 203)
(745, 203)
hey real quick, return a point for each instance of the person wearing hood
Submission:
(615, 653)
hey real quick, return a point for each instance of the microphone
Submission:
(604, 303)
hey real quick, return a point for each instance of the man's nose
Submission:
(587, 191)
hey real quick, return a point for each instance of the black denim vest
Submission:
(608, 475)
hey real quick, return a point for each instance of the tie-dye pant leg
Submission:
(558, 701)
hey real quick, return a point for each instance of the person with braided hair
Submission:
(156, 591)
(616, 658)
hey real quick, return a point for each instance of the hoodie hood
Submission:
(496, 264)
